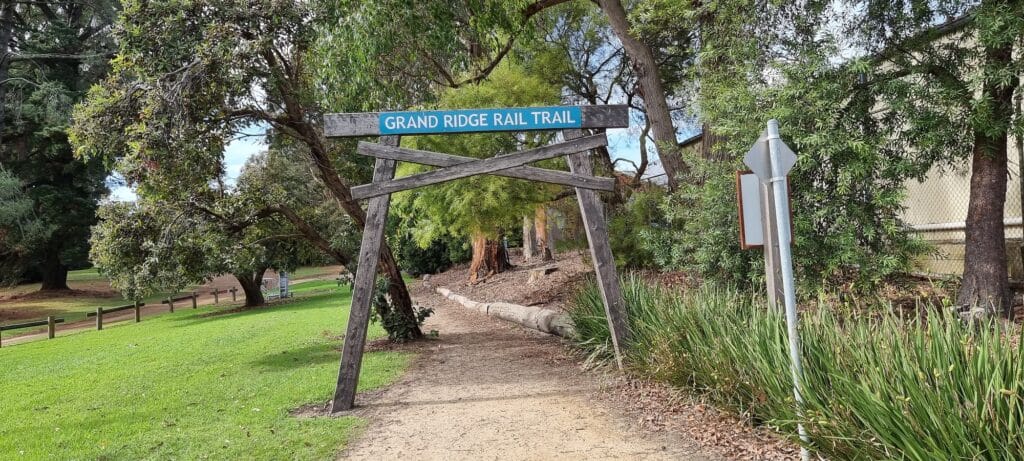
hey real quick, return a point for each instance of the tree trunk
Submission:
(496, 259)
(528, 238)
(540, 220)
(478, 243)
(652, 91)
(300, 127)
(252, 285)
(54, 273)
(6, 32)
(985, 288)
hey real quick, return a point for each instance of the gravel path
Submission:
(486, 389)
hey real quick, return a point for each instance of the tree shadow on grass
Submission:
(276, 308)
(297, 358)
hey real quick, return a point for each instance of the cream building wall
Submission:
(937, 209)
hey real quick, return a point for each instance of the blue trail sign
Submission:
(475, 120)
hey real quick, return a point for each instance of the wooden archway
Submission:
(571, 120)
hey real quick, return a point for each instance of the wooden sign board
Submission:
(475, 120)
(750, 196)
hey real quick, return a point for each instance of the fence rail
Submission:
(51, 322)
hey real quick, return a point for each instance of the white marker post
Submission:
(771, 159)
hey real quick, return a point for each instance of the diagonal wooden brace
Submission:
(424, 157)
(483, 166)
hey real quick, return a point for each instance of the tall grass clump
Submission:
(875, 387)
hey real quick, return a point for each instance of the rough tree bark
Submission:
(252, 287)
(985, 289)
(528, 238)
(540, 220)
(496, 259)
(54, 273)
(478, 243)
(652, 91)
(489, 255)
(6, 33)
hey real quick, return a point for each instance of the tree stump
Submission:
(540, 273)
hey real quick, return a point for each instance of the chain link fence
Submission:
(937, 211)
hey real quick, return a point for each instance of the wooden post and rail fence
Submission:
(51, 321)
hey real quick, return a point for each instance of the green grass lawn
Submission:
(85, 275)
(186, 386)
(315, 286)
(69, 308)
(314, 271)
(74, 308)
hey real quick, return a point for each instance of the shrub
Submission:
(399, 328)
(628, 225)
(875, 387)
(441, 254)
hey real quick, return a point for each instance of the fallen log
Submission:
(540, 319)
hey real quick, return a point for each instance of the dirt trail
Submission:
(486, 389)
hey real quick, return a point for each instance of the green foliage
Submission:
(56, 52)
(162, 245)
(848, 184)
(144, 248)
(631, 227)
(189, 385)
(397, 53)
(697, 228)
(875, 387)
(439, 255)
(22, 233)
(479, 204)
(400, 328)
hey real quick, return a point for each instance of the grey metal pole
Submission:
(778, 182)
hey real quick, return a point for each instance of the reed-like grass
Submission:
(875, 387)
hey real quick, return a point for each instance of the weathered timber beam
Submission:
(423, 157)
(483, 166)
(356, 124)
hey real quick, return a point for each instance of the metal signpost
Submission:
(571, 120)
(283, 284)
(771, 159)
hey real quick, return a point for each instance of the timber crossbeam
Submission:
(475, 167)
(428, 158)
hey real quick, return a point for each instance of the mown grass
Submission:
(69, 308)
(875, 387)
(188, 385)
(74, 307)
(318, 286)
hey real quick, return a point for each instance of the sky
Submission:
(622, 143)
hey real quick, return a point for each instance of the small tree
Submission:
(480, 207)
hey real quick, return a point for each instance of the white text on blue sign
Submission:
(477, 120)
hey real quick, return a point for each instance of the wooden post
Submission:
(170, 303)
(194, 294)
(216, 298)
(138, 312)
(600, 251)
(233, 290)
(51, 327)
(772, 265)
(99, 318)
(359, 314)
